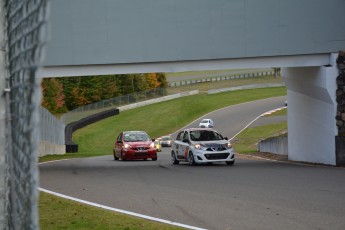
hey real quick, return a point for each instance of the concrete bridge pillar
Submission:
(312, 107)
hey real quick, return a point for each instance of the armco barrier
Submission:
(71, 147)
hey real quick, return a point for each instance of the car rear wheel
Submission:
(173, 158)
(115, 157)
(191, 158)
(230, 162)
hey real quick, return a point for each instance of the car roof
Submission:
(134, 131)
(194, 129)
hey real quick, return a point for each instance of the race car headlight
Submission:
(198, 146)
(152, 145)
(127, 146)
(229, 145)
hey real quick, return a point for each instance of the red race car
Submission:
(134, 145)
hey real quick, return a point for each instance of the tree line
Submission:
(67, 93)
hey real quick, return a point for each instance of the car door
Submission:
(184, 146)
(176, 143)
(118, 145)
(179, 146)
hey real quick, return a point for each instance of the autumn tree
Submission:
(53, 97)
(73, 92)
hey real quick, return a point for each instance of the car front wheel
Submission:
(122, 158)
(191, 158)
(173, 158)
(115, 157)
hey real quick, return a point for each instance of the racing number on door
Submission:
(186, 152)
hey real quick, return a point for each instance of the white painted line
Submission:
(121, 211)
(45, 162)
(269, 112)
(205, 115)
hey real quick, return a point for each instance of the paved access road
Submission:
(252, 194)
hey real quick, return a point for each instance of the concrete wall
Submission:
(85, 32)
(52, 134)
(311, 113)
(48, 148)
(277, 145)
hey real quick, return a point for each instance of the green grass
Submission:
(246, 141)
(57, 213)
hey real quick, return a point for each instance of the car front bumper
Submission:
(201, 156)
(135, 155)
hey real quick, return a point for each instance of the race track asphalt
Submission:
(252, 194)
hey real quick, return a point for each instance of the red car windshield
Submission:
(136, 137)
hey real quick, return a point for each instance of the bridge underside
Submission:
(114, 37)
(181, 66)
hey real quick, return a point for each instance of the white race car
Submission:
(206, 123)
(202, 145)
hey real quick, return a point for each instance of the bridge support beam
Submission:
(312, 106)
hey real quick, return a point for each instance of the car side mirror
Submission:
(185, 141)
(225, 138)
(153, 140)
(119, 142)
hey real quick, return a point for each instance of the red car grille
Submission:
(140, 148)
(141, 155)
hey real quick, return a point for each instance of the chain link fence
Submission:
(24, 34)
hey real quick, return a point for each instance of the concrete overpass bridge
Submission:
(303, 37)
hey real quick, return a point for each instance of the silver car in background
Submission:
(206, 123)
(166, 141)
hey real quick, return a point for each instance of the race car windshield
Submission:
(136, 137)
(205, 135)
(204, 121)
